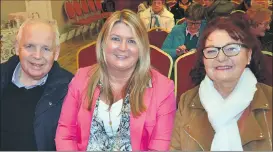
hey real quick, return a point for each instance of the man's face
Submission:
(157, 6)
(193, 26)
(37, 50)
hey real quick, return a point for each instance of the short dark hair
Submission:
(195, 12)
(238, 29)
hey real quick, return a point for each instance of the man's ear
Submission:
(57, 52)
(17, 48)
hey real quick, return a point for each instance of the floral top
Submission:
(99, 140)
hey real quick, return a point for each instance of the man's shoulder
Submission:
(59, 73)
(65, 73)
(146, 13)
(8, 67)
(167, 13)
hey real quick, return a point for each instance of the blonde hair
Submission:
(140, 77)
(257, 14)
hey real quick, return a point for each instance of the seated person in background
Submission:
(229, 110)
(244, 5)
(157, 16)
(184, 37)
(125, 104)
(260, 19)
(219, 8)
(179, 9)
(33, 87)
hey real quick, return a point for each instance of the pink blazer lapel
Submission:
(137, 124)
(87, 120)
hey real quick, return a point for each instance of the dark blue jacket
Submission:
(48, 108)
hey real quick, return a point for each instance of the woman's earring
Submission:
(249, 61)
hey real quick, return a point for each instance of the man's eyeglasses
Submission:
(193, 23)
(229, 50)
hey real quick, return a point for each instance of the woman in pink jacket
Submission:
(121, 103)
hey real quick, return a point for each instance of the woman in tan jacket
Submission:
(229, 109)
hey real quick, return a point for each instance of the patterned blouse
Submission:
(99, 140)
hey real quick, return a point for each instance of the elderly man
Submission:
(33, 87)
(157, 16)
(184, 37)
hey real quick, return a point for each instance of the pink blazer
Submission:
(150, 131)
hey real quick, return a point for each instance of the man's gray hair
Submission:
(52, 24)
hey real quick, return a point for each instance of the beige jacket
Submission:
(193, 131)
(166, 19)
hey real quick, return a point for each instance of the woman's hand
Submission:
(182, 49)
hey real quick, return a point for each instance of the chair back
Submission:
(182, 67)
(98, 5)
(84, 6)
(157, 36)
(180, 21)
(161, 61)
(69, 10)
(86, 56)
(268, 67)
(91, 5)
(238, 12)
(77, 8)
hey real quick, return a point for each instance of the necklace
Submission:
(116, 136)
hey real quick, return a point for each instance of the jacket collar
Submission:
(58, 79)
(204, 135)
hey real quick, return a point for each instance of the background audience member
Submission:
(244, 5)
(219, 8)
(179, 9)
(157, 16)
(229, 107)
(125, 105)
(260, 19)
(184, 37)
(33, 87)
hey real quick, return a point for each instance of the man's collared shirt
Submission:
(192, 35)
(16, 79)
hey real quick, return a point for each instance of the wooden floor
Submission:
(67, 58)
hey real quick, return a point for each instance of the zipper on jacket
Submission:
(270, 140)
(194, 139)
